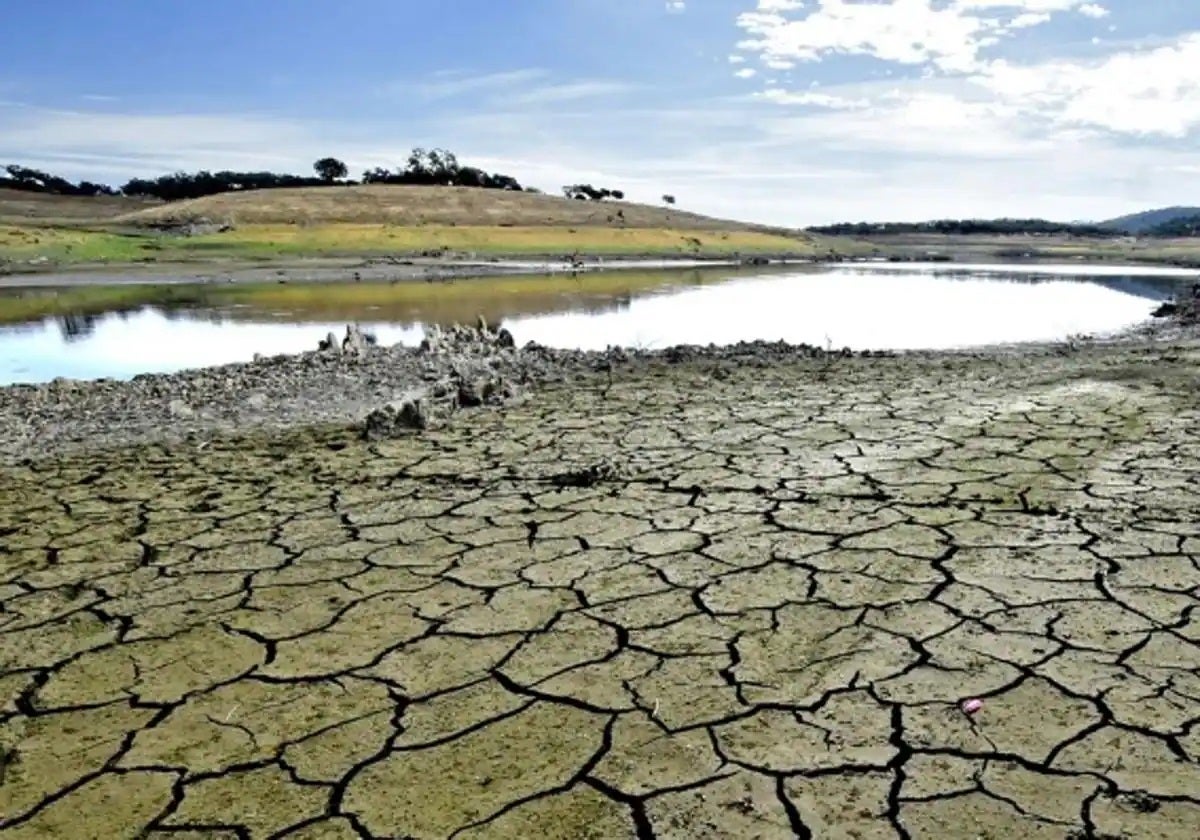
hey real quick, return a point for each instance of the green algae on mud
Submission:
(444, 302)
(762, 618)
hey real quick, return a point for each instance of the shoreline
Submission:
(337, 270)
(412, 269)
(331, 387)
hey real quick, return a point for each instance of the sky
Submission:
(776, 111)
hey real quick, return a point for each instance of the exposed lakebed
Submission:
(120, 332)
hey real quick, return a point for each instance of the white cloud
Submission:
(567, 92)
(141, 144)
(1147, 92)
(737, 59)
(822, 100)
(906, 31)
(1028, 19)
(947, 36)
(676, 7)
(1139, 92)
(446, 84)
(746, 73)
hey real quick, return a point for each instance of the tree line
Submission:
(427, 167)
(967, 227)
(1184, 226)
(23, 178)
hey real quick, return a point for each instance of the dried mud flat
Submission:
(692, 600)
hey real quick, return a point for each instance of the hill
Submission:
(1138, 223)
(408, 206)
(21, 207)
(965, 227)
(390, 221)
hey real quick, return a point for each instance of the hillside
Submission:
(408, 206)
(1143, 222)
(19, 207)
(383, 221)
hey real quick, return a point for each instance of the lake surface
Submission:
(861, 306)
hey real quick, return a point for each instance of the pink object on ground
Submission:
(970, 707)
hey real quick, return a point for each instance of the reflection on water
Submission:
(862, 307)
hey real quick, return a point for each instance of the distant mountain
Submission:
(1143, 222)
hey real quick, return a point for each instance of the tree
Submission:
(378, 175)
(669, 199)
(586, 192)
(330, 169)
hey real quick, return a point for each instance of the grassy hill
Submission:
(18, 207)
(413, 205)
(1142, 222)
(377, 220)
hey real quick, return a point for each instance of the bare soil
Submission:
(696, 594)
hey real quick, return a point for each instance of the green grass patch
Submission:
(58, 246)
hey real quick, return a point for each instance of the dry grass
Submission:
(1184, 251)
(414, 206)
(18, 207)
(371, 221)
(494, 240)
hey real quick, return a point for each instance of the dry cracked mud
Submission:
(683, 600)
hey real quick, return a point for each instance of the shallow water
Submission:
(864, 306)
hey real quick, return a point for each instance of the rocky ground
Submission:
(757, 592)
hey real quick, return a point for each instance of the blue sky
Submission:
(770, 110)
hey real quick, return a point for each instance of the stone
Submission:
(356, 341)
(472, 392)
(329, 343)
(408, 414)
(180, 410)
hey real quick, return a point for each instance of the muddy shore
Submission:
(696, 593)
(344, 270)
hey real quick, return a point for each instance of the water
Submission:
(872, 306)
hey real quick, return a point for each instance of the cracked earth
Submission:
(674, 601)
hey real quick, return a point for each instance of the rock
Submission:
(467, 341)
(482, 387)
(329, 343)
(257, 401)
(408, 414)
(356, 342)
(180, 410)
(471, 392)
